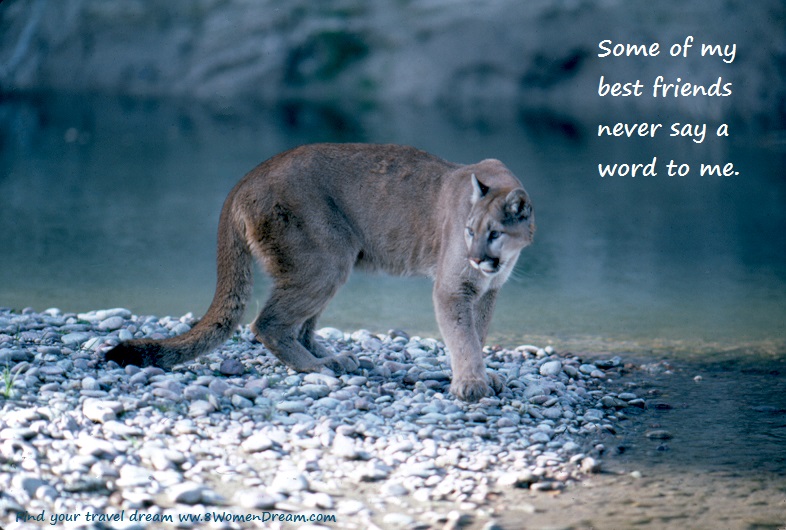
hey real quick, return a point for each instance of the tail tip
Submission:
(126, 353)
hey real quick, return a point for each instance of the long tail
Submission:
(233, 289)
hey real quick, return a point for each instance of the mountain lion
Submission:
(312, 214)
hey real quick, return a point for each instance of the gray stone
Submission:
(240, 402)
(196, 392)
(550, 368)
(111, 323)
(638, 403)
(345, 447)
(315, 391)
(658, 434)
(540, 437)
(19, 433)
(101, 411)
(180, 328)
(289, 482)
(256, 499)
(291, 406)
(590, 465)
(89, 383)
(611, 402)
(76, 338)
(46, 493)
(587, 368)
(200, 408)
(393, 489)
(187, 493)
(257, 442)
(218, 386)
(90, 445)
(134, 476)
(28, 483)
(231, 367)
(398, 520)
(322, 379)
(593, 415)
(318, 500)
(436, 375)
(332, 334)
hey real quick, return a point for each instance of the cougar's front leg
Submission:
(484, 309)
(455, 311)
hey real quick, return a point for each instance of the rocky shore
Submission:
(235, 438)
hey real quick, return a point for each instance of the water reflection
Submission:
(114, 202)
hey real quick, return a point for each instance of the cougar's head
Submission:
(500, 223)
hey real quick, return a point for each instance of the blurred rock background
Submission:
(474, 58)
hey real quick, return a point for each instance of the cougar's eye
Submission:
(470, 233)
(493, 235)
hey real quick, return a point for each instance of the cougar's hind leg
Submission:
(280, 328)
(286, 323)
(321, 350)
(309, 340)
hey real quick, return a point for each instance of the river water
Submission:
(109, 202)
(114, 202)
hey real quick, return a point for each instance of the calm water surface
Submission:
(111, 202)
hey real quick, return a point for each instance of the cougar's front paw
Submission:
(470, 390)
(497, 382)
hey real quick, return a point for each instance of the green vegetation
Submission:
(7, 382)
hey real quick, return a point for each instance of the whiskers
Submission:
(519, 275)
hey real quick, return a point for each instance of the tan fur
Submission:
(312, 214)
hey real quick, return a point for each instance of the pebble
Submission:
(292, 406)
(231, 367)
(74, 338)
(240, 402)
(187, 493)
(315, 391)
(200, 408)
(550, 368)
(76, 433)
(101, 411)
(587, 368)
(331, 334)
(111, 323)
(289, 482)
(322, 379)
(257, 442)
(398, 520)
(393, 489)
(28, 483)
(658, 434)
(590, 465)
(256, 499)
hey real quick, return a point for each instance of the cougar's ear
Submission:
(479, 190)
(517, 206)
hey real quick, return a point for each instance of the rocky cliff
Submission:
(468, 56)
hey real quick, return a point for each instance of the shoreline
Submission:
(237, 431)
